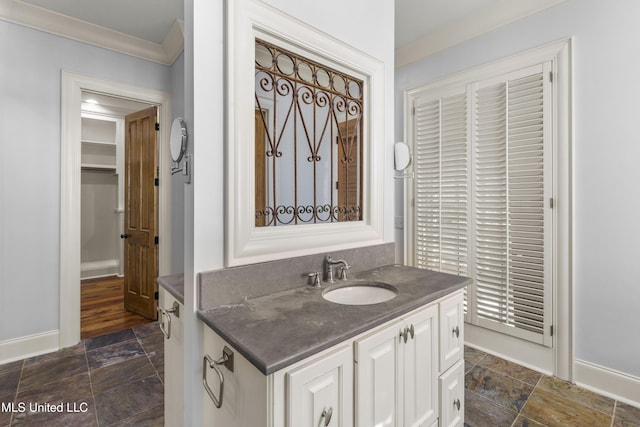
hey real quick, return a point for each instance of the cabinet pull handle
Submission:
(227, 361)
(456, 331)
(456, 403)
(327, 416)
(404, 334)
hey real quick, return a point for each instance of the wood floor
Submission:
(102, 308)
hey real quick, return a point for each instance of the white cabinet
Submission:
(320, 393)
(451, 381)
(396, 371)
(452, 396)
(389, 376)
(451, 330)
(170, 321)
(314, 392)
(378, 374)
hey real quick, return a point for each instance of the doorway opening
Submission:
(74, 86)
(109, 191)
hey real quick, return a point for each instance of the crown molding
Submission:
(474, 25)
(43, 19)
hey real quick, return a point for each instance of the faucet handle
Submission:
(314, 279)
(343, 271)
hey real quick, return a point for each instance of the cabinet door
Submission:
(451, 331)
(419, 394)
(452, 396)
(173, 359)
(320, 393)
(377, 372)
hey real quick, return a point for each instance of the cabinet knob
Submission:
(412, 331)
(456, 331)
(327, 416)
(456, 403)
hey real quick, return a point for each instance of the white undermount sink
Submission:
(361, 293)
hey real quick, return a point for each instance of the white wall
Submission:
(371, 32)
(606, 148)
(30, 76)
(178, 180)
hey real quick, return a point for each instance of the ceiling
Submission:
(416, 19)
(151, 19)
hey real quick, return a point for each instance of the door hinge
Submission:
(156, 295)
(156, 240)
(413, 110)
(337, 185)
(551, 203)
(550, 76)
(156, 182)
(157, 126)
(551, 330)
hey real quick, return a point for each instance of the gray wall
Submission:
(606, 149)
(30, 76)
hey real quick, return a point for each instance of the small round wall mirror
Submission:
(178, 139)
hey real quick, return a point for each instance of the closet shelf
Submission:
(98, 167)
(96, 142)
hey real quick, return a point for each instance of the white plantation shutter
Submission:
(482, 191)
(453, 185)
(490, 198)
(427, 185)
(441, 193)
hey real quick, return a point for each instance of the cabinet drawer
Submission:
(452, 396)
(451, 331)
(321, 392)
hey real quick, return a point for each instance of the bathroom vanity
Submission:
(294, 358)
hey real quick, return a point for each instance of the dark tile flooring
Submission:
(117, 380)
(111, 380)
(500, 393)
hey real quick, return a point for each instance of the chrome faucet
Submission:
(329, 263)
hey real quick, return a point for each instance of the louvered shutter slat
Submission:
(526, 190)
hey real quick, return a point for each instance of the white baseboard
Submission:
(94, 269)
(28, 346)
(608, 382)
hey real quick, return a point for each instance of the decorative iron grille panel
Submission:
(309, 148)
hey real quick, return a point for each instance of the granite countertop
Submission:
(277, 330)
(174, 284)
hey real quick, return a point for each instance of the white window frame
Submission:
(560, 359)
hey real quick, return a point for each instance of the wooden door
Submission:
(141, 213)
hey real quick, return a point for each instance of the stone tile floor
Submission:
(111, 380)
(500, 393)
(117, 380)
